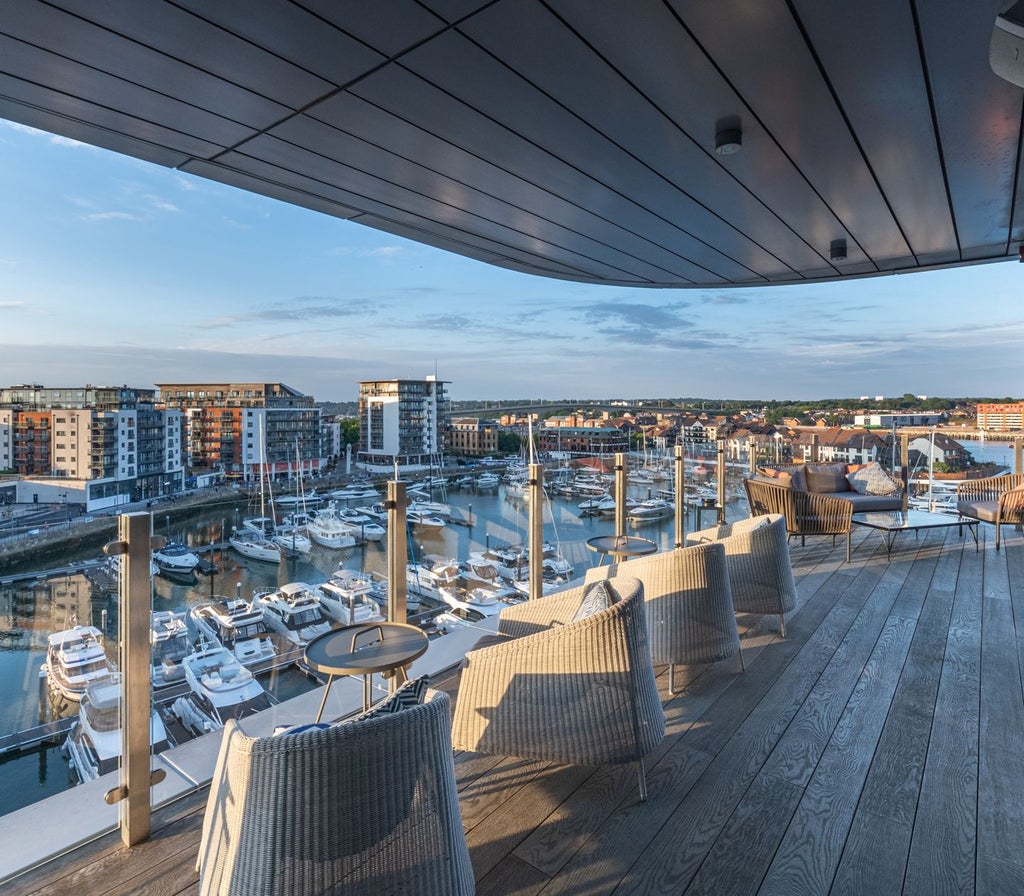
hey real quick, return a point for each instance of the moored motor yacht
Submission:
(237, 625)
(349, 598)
(93, 746)
(220, 688)
(74, 659)
(650, 510)
(294, 610)
(168, 638)
(330, 530)
(175, 557)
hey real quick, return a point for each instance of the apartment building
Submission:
(1001, 417)
(473, 436)
(401, 422)
(241, 428)
(98, 446)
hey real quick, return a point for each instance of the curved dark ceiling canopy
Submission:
(566, 138)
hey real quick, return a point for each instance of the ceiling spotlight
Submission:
(728, 141)
(837, 250)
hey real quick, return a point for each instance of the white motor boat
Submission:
(486, 598)
(255, 546)
(294, 610)
(430, 508)
(168, 637)
(648, 511)
(293, 539)
(237, 625)
(488, 480)
(74, 659)
(115, 564)
(220, 688)
(414, 518)
(430, 575)
(513, 562)
(330, 530)
(349, 598)
(93, 746)
(174, 557)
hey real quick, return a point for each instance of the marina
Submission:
(35, 603)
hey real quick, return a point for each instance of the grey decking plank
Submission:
(737, 861)
(875, 857)
(512, 877)
(811, 849)
(1001, 765)
(796, 755)
(604, 858)
(945, 822)
(675, 854)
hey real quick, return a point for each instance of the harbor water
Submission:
(31, 610)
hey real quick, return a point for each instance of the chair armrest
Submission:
(536, 615)
(989, 489)
(822, 514)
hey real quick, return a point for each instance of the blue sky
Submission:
(117, 271)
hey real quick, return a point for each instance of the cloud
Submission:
(160, 204)
(378, 252)
(301, 308)
(112, 216)
(55, 139)
(9, 306)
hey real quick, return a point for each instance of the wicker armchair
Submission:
(688, 598)
(366, 807)
(806, 513)
(992, 500)
(579, 692)
(760, 572)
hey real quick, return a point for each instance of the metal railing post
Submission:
(721, 482)
(535, 483)
(752, 455)
(905, 467)
(814, 447)
(135, 548)
(398, 553)
(620, 494)
(1018, 454)
(680, 471)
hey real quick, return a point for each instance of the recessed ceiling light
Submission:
(728, 141)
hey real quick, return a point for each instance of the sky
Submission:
(116, 271)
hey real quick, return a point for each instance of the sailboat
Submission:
(250, 541)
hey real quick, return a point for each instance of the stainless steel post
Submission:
(752, 455)
(680, 471)
(135, 548)
(905, 467)
(721, 482)
(535, 483)
(398, 552)
(1018, 454)
(814, 447)
(620, 494)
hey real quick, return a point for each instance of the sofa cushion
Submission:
(864, 503)
(596, 597)
(872, 480)
(795, 472)
(827, 479)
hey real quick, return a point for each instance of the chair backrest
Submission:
(688, 600)
(368, 807)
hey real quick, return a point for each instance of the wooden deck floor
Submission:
(875, 750)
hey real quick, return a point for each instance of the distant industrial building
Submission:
(888, 419)
(403, 423)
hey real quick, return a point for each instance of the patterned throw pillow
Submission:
(282, 730)
(596, 597)
(409, 694)
(872, 480)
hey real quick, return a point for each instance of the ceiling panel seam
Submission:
(639, 161)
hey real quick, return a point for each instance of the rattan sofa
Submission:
(805, 513)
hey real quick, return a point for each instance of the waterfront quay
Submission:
(874, 749)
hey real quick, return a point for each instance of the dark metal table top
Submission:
(365, 649)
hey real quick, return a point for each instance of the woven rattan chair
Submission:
(806, 513)
(992, 500)
(580, 692)
(760, 571)
(688, 599)
(366, 807)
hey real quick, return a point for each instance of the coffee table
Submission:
(892, 522)
(363, 650)
(621, 546)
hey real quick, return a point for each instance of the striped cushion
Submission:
(409, 694)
